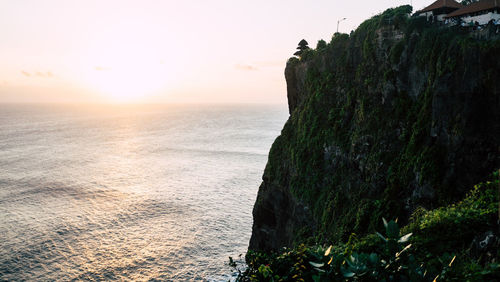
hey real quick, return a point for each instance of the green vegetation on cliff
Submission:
(397, 116)
(399, 120)
(434, 245)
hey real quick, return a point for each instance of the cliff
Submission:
(399, 115)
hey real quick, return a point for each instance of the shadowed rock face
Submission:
(381, 123)
(295, 83)
(280, 216)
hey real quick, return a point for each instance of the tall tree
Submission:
(303, 45)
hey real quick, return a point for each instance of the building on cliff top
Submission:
(481, 12)
(439, 9)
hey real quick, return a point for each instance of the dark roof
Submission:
(475, 7)
(441, 4)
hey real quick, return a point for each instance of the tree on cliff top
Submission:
(303, 45)
(321, 44)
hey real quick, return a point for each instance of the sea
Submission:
(129, 192)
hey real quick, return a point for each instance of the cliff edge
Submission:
(399, 115)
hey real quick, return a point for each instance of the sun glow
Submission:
(127, 69)
(133, 81)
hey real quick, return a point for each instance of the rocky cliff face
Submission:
(398, 115)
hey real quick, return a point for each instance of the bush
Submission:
(321, 45)
(434, 246)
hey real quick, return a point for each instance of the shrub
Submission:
(434, 247)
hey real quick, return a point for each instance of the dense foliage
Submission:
(398, 119)
(358, 146)
(435, 245)
(303, 46)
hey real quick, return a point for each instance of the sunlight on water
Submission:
(134, 193)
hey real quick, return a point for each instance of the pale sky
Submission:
(188, 51)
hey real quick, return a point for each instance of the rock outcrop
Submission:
(398, 115)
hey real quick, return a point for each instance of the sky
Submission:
(190, 51)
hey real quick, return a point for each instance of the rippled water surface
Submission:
(129, 193)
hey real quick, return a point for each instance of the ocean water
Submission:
(129, 192)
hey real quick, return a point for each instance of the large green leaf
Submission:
(327, 252)
(392, 230)
(315, 264)
(405, 238)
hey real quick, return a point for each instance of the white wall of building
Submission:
(429, 16)
(482, 19)
(440, 18)
(426, 14)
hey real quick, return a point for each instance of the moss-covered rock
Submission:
(457, 242)
(395, 117)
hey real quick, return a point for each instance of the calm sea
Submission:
(129, 192)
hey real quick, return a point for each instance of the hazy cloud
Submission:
(246, 67)
(99, 68)
(37, 74)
